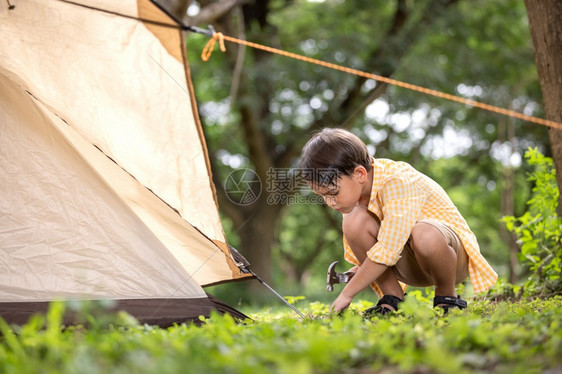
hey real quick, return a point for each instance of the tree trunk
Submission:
(176, 8)
(256, 235)
(545, 24)
(506, 133)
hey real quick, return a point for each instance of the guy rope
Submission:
(209, 47)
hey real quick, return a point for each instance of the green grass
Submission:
(489, 337)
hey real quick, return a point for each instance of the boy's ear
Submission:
(361, 173)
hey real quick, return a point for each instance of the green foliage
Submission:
(539, 230)
(489, 337)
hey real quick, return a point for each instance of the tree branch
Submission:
(236, 74)
(383, 59)
(211, 12)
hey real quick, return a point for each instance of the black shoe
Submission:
(447, 302)
(391, 300)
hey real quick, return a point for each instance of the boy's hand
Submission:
(342, 303)
(351, 272)
(367, 273)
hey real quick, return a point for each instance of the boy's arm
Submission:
(367, 274)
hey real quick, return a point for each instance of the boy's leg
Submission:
(435, 257)
(361, 229)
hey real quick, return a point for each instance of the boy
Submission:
(400, 227)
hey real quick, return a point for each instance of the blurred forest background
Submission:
(258, 109)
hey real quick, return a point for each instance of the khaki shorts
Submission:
(407, 269)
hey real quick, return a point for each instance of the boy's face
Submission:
(343, 195)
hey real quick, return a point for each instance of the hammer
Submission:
(334, 277)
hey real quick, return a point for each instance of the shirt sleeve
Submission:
(402, 202)
(350, 257)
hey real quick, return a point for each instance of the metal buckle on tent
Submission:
(208, 32)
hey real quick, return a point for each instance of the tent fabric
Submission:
(161, 312)
(105, 188)
(63, 232)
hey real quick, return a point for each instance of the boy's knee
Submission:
(426, 240)
(359, 222)
(349, 225)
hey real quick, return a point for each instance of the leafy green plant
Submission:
(488, 337)
(293, 299)
(539, 230)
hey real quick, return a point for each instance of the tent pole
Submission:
(279, 296)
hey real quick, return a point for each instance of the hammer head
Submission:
(332, 277)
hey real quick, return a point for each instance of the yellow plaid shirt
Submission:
(400, 196)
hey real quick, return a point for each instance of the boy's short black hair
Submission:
(331, 153)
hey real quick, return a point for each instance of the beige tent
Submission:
(105, 187)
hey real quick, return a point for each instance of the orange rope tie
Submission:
(208, 50)
(210, 46)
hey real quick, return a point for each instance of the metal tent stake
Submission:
(244, 267)
(279, 296)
